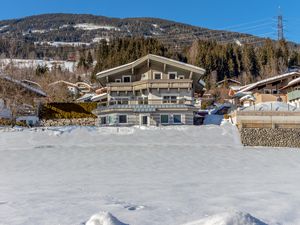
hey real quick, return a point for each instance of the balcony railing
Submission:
(145, 101)
(145, 84)
(293, 95)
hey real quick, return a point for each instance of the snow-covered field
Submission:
(90, 26)
(34, 63)
(151, 176)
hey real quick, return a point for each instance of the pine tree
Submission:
(89, 60)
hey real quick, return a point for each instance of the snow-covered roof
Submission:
(254, 85)
(292, 82)
(272, 106)
(235, 88)
(24, 85)
(99, 97)
(154, 58)
(85, 97)
(231, 80)
(247, 97)
(242, 94)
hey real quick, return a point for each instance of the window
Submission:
(112, 119)
(274, 91)
(177, 118)
(172, 75)
(121, 100)
(181, 77)
(126, 79)
(164, 119)
(118, 80)
(157, 76)
(170, 99)
(103, 120)
(142, 100)
(267, 91)
(122, 118)
(144, 76)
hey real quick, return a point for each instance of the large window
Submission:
(126, 79)
(164, 119)
(157, 76)
(177, 118)
(122, 118)
(172, 75)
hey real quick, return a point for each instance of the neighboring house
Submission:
(28, 120)
(74, 88)
(28, 115)
(293, 92)
(28, 86)
(266, 90)
(152, 90)
(267, 115)
(272, 85)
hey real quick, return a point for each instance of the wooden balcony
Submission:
(150, 84)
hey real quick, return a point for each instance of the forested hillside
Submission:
(246, 63)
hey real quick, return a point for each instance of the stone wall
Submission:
(68, 122)
(278, 137)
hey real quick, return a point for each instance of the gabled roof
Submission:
(231, 80)
(156, 58)
(249, 87)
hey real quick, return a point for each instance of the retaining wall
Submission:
(278, 137)
(68, 122)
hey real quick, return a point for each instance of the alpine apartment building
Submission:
(152, 90)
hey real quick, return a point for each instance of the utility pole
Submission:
(280, 26)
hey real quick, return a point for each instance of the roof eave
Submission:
(161, 59)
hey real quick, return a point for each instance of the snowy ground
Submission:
(33, 63)
(158, 176)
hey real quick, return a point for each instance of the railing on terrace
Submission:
(145, 101)
(145, 84)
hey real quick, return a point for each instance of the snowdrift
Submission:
(236, 218)
(104, 218)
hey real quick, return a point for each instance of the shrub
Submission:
(67, 110)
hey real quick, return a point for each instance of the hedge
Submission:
(67, 110)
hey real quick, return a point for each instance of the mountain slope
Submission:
(91, 28)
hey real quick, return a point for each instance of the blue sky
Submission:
(252, 16)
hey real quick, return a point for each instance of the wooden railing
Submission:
(148, 84)
(137, 101)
